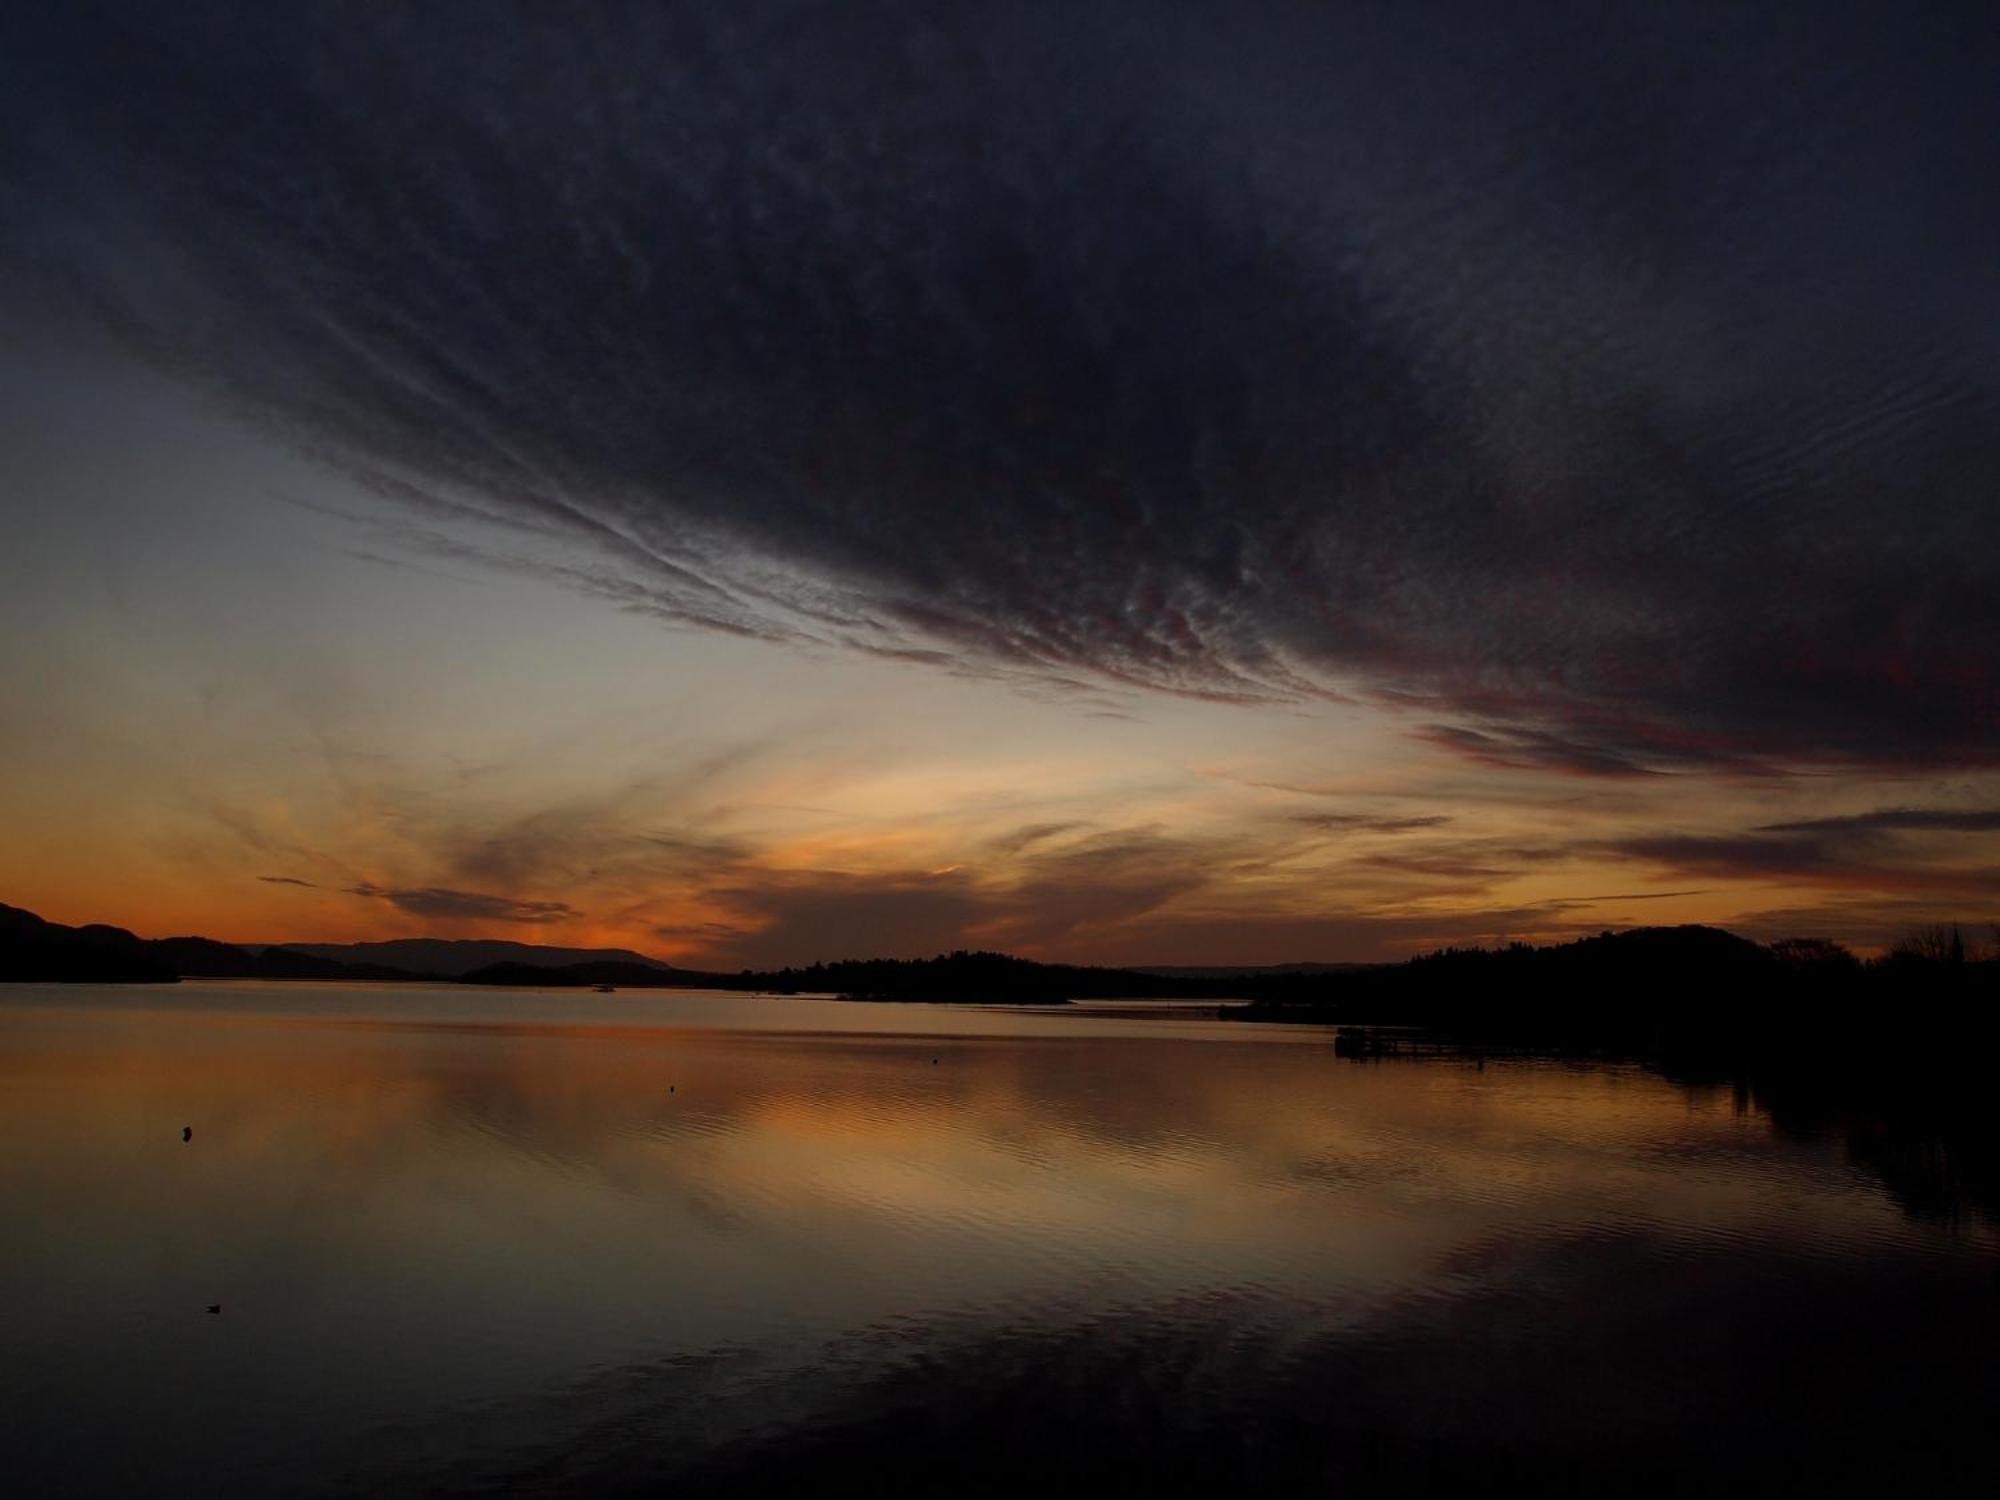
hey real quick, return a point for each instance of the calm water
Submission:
(714, 1244)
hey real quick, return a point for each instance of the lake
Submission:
(696, 1243)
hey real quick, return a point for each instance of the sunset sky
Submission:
(1111, 482)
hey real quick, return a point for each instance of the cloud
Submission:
(1889, 850)
(1027, 893)
(287, 880)
(1617, 394)
(1896, 820)
(1744, 856)
(444, 904)
(806, 917)
(687, 854)
(1625, 896)
(829, 915)
(1356, 935)
(1369, 823)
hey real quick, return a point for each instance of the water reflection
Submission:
(621, 1241)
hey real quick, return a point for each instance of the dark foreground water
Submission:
(695, 1244)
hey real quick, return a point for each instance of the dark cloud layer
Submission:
(471, 906)
(1336, 822)
(1896, 820)
(1889, 850)
(1614, 387)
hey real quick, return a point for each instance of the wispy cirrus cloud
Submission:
(1354, 883)
(1614, 394)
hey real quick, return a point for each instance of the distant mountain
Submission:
(615, 972)
(960, 978)
(1613, 990)
(452, 958)
(205, 958)
(976, 979)
(1245, 971)
(948, 979)
(34, 949)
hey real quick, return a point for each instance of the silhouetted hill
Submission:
(452, 958)
(1660, 992)
(34, 949)
(44, 950)
(1896, 1053)
(205, 958)
(960, 978)
(1692, 992)
(1596, 983)
(973, 979)
(613, 972)
(290, 963)
(1247, 971)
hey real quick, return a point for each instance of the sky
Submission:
(1113, 482)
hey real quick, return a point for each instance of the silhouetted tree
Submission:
(1815, 954)
(1931, 944)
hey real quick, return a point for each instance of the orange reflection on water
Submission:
(420, 1203)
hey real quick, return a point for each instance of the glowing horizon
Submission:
(956, 526)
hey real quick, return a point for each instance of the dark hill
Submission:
(453, 958)
(205, 958)
(290, 963)
(34, 949)
(583, 975)
(1247, 971)
(972, 979)
(960, 978)
(1698, 995)
(1594, 983)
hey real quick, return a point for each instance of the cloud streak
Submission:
(668, 862)
(1894, 820)
(1615, 396)
(444, 904)
(1892, 851)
